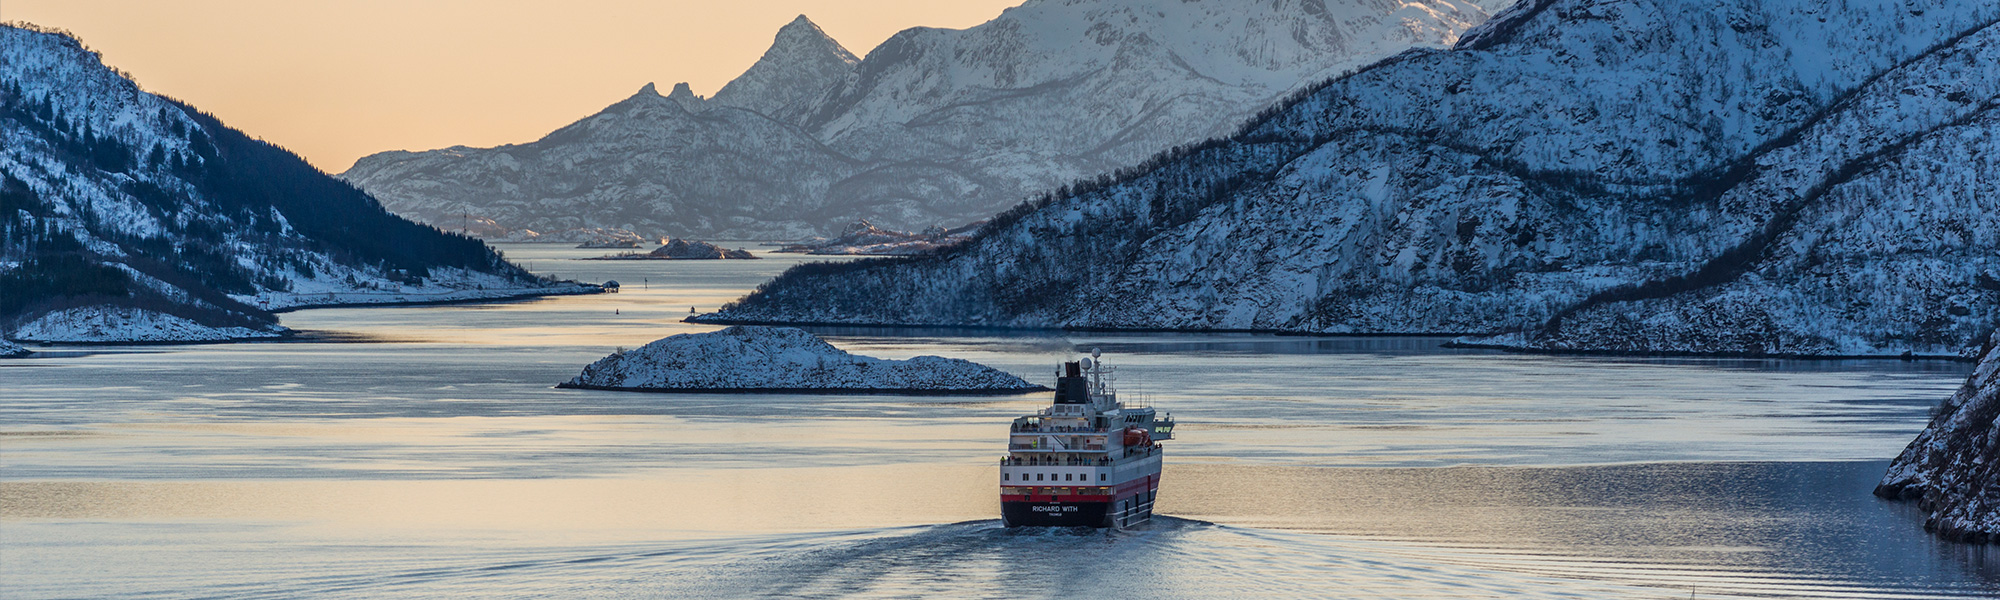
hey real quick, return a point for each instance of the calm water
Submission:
(422, 452)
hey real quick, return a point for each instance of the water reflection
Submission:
(422, 451)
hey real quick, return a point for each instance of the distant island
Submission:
(783, 359)
(683, 250)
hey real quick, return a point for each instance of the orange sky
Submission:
(338, 79)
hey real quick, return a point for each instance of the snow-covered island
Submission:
(1952, 469)
(783, 359)
(683, 250)
(12, 350)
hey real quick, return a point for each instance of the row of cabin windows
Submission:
(1066, 477)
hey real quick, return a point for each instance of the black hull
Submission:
(1056, 514)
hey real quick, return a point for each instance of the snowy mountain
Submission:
(801, 64)
(740, 359)
(1953, 468)
(933, 127)
(1777, 177)
(125, 216)
(646, 164)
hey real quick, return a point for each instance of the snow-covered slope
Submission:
(125, 215)
(1953, 467)
(12, 350)
(782, 358)
(934, 127)
(1783, 177)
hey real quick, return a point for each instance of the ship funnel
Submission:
(1070, 387)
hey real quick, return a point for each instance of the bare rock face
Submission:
(752, 359)
(1953, 468)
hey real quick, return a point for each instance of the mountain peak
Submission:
(802, 62)
(649, 90)
(684, 96)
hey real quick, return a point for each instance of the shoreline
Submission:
(825, 391)
(1453, 345)
(582, 289)
(294, 335)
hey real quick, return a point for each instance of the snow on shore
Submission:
(782, 358)
(12, 350)
(1953, 468)
(105, 324)
(444, 285)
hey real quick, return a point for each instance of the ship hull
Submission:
(1053, 513)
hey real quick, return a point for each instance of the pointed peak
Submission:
(649, 90)
(802, 32)
(803, 25)
(685, 97)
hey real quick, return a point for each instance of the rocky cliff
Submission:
(1953, 468)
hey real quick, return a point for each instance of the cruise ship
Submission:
(1088, 460)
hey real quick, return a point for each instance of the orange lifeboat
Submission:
(1137, 437)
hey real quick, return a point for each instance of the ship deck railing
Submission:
(1008, 461)
(1061, 430)
(1087, 448)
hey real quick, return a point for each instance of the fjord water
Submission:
(423, 452)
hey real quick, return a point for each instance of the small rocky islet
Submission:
(783, 359)
(683, 250)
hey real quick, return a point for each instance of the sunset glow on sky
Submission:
(337, 80)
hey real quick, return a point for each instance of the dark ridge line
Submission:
(821, 391)
(1754, 251)
(1504, 26)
